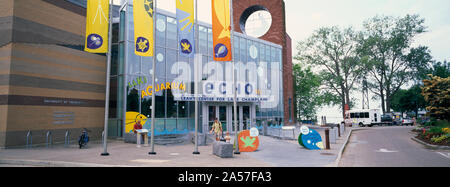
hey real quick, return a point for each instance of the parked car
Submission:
(407, 121)
(387, 119)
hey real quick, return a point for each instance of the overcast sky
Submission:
(305, 16)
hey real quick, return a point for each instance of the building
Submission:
(48, 83)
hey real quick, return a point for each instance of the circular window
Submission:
(256, 21)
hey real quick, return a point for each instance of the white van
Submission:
(363, 117)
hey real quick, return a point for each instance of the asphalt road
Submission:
(390, 147)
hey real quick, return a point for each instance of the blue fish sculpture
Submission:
(312, 141)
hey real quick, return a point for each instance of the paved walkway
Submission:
(272, 153)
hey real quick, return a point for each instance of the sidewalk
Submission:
(272, 153)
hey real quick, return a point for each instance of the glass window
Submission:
(258, 23)
(133, 64)
(172, 39)
(132, 94)
(243, 50)
(210, 43)
(236, 49)
(203, 39)
(160, 98)
(130, 23)
(161, 26)
(183, 109)
(171, 105)
(268, 54)
(262, 51)
(122, 26)
(171, 61)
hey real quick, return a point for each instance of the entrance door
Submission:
(217, 112)
(225, 114)
(223, 117)
(246, 117)
(212, 115)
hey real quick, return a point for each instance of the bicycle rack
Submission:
(67, 139)
(29, 140)
(49, 139)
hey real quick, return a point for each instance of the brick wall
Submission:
(277, 34)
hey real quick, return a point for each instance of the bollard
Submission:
(327, 138)
(29, 139)
(49, 138)
(333, 135)
(339, 130)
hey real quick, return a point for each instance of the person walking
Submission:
(217, 129)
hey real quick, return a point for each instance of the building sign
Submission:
(161, 87)
(63, 118)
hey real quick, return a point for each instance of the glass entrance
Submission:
(225, 114)
(211, 116)
(220, 113)
(246, 117)
(223, 117)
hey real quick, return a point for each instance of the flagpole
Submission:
(196, 64)
(235, 82)
(108, 72)
(152, 138)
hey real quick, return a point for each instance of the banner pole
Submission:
(108, 72)
(235, 82)
(196, 64)
(152, 138)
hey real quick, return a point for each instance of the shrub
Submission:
(440, 138)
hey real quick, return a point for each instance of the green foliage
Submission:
(436, 92)
(391, 61)
(410, 100)
(440, 69)
(333, 51)
(308, 95)
(441, 138)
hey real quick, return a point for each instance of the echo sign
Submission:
(215, 88)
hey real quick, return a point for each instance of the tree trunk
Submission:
(383, 104)
(343, 97)
(388, 104)
(343, 107)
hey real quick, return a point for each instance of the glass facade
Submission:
(258, 62)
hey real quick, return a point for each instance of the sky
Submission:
(303, 17)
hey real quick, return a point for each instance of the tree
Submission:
(391, 62)
(436, 92)
(410, 100)
(440, 69)
(334, 51)
(308, 95)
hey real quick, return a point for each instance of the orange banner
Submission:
(221, 25)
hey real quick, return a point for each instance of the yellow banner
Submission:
(185, 20)
(221, 26)
(97, 25)
(143, 27)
